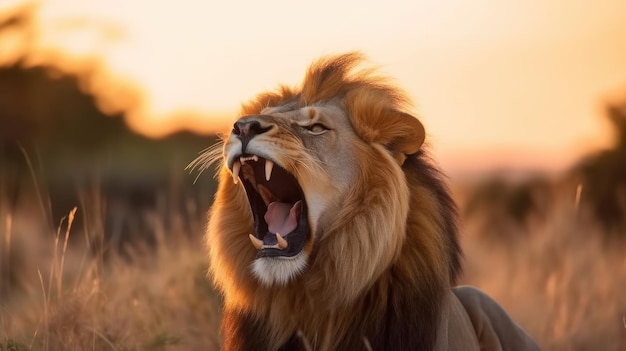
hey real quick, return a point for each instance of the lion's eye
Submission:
(317, 129)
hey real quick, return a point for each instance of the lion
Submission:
(331, 228)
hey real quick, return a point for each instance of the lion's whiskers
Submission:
(207, 157)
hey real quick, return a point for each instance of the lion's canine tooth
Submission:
(269, 165)
(282, 243)
(236, 168)
(256, 242)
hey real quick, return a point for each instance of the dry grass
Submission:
(67, 298)
(562, 280)
(563, 283)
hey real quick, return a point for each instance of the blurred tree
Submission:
(75, 150)
(505, 209)
(82, 157)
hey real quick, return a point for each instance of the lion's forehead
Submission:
(325, 112)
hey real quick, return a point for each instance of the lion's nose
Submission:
(248, 127)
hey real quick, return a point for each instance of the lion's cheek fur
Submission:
(368, 230)
(230, 251)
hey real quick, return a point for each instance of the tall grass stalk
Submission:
(46, 312)
(59, 274)
(54, 270)
(44, 213)
(5, 260)
(579, 191)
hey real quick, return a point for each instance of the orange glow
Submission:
(496, 83)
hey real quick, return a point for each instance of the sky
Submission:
(515, 84)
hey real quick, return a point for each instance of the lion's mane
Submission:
(378, 275)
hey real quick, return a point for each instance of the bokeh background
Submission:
(104, 103)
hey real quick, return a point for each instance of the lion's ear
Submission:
(401, 133)
(375, 122)
(406, 135)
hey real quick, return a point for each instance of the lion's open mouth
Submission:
(278, 206)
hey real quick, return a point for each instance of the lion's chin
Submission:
(278, 270)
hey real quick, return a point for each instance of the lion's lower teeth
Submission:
(282, 243)
(258, 244)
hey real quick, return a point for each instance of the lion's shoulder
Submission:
(493, 327)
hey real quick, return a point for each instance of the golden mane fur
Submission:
(382, 257)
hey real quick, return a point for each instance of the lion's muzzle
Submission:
(277, 201)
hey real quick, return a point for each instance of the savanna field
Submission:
(70, 286)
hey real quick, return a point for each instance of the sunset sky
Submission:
(517, 84)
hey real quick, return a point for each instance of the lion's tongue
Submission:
(282, 217)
